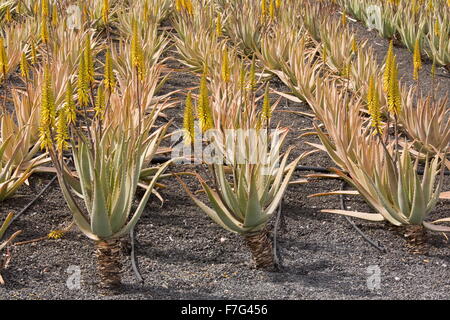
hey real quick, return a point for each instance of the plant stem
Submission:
(261, 249)
(108, 263)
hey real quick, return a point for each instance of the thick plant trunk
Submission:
(261, 249)
(416, 238)
(109, 265)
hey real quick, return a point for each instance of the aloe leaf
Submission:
(356, 214)
(418, 208)
(140, 209)
(254, 214)
(100, 223)
(229, 195)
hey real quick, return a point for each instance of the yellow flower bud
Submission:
(70, 104)
(48, 111)
(388, 66)
(266, 108)
(62, 130)
(55, 16)
(188, 121)
(3, 58)
(109, 80)
(33, 53)
(100, 102)
(225, 66)
(393, 94)
(24, 69)
(373, 103)
(44, 31)
(219, 26)
(105, 11)
(88, 60)
(417, 60)
(204, 109)
(44, 8)
(137, 54)
(82, 84)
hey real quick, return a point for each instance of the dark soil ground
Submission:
(183, 255)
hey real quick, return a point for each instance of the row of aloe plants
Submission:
(107, 120)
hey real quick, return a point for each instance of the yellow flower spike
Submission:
(188, 121)
(82, 83)
(146, 9)
(44, 8)
(373, 103)
(433, 69)
(178, 5)
(430, 6)
(258, 124)
(394, 98)
(36, 8)
(109, 80)
(437, 28)
(24, 68)
(100, 102)
(344, 18)
(137, 55)
(414, 7)
(48, 111)
(33, 53)
(62, 130)
(55, 234)
(70, 104)
(263, 10)
(278, 3)
(272, 10)
(44, 31)
(203, 108)
(324, 54)
(346, 70)
(354, 46)
(219, 26)
(388, 66)
(54, 16)
(266, 108)
(189, 7)
(105, 11)
(252, 80)
(225, 66)
(88, 60)
(417, 60)
(242, 78)
(8, 16)
(3, 58)
(84, 13)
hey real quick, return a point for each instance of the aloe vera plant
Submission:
(250, 176)
(18, 154)
(245, 205)
(107, 176)
(389, 182)
(109, 155)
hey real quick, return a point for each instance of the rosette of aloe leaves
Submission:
(111, 137)
(248, 174)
